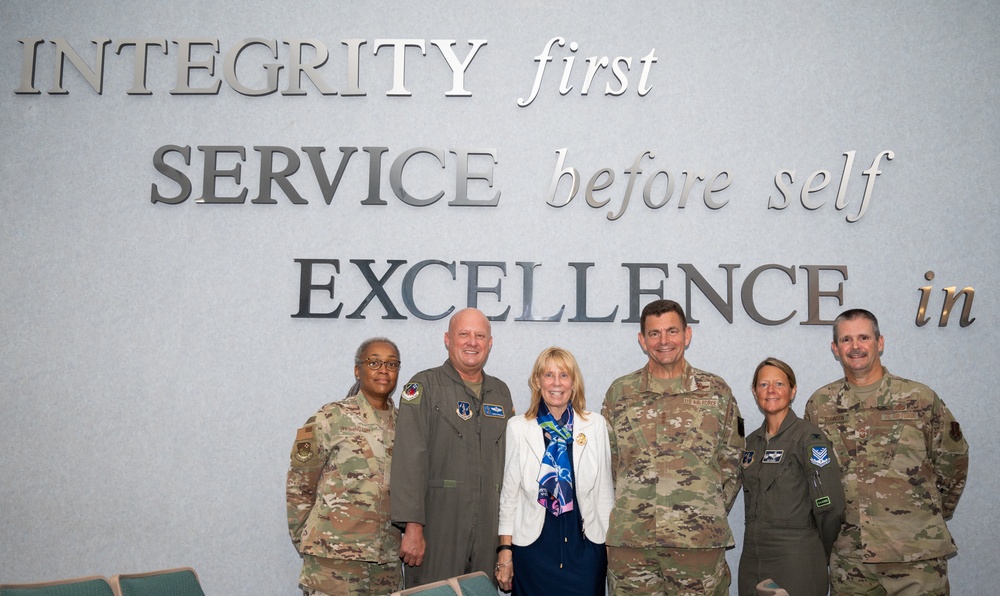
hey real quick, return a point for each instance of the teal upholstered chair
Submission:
(470, 584)
(438, 588)
(94, 585)
(476, 584)
(182, 581)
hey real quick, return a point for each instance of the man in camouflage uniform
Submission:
(904, 462)
(337, 489)
(449, 459)
(676, 441)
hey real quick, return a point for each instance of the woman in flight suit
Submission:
(792, 492)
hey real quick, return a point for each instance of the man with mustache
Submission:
(903, 461)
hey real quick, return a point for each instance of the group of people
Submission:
(559, 500)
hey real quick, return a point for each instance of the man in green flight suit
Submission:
(447, 466)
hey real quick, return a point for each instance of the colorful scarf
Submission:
(555, 477)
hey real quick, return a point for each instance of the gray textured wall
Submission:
(152, 378)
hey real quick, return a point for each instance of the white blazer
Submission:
(521, 515)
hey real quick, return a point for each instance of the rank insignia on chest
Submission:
(747, 459)
(819, 455)
(493, 410)
(772, 456)
(464, 410)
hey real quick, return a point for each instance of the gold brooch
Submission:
(581, 440)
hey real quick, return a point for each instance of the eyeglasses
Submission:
(375, 364)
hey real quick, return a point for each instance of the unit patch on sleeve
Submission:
(411, 393)
(304, 451)
(956, 431)
(305, 446)
(819, 455)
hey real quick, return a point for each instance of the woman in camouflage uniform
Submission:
(338, 485)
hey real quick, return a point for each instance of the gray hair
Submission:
(358, 358)
(853, 314)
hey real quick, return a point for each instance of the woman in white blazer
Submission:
(557, 488)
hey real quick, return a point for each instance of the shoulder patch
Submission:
(739, 426)
(305, 450)
(305, 433)
(411, 393)
(956, 431)
(819, 455)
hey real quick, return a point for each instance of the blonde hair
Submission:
(778, 364)
(563, 360)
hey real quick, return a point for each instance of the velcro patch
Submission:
(772, 456)
(823, 502)
(411, 393)
(493, 411)
(819, 455)
(304, 453)
(904, 415)
(706, 401)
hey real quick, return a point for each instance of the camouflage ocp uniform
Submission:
(676, 461)
(338, 498)
(675, 454)
(904, 464)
